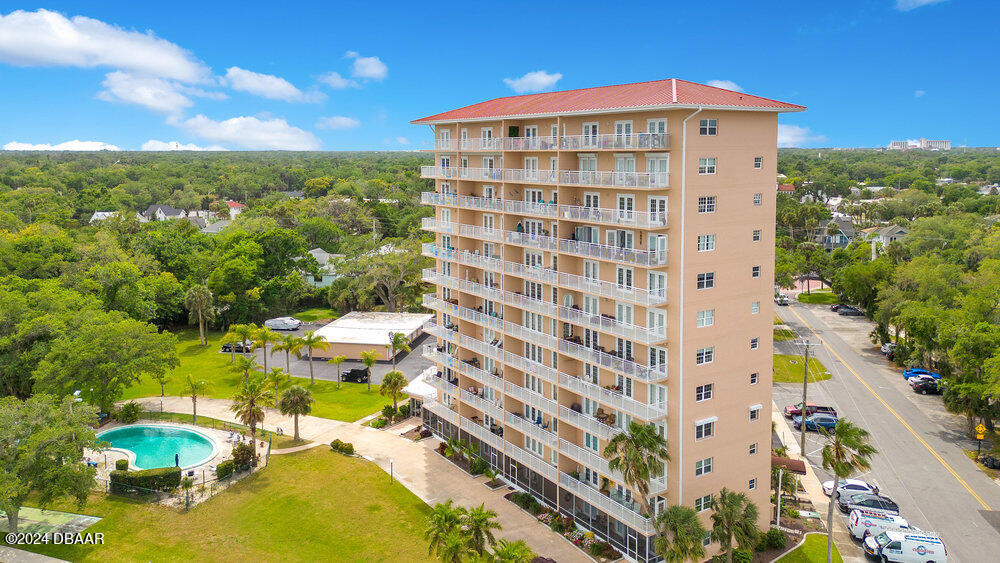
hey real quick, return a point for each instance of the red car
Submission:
(811, 408)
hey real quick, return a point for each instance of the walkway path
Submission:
(414, 464)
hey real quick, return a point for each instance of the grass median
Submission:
(813, 550)
(819, 297)
(788, 369)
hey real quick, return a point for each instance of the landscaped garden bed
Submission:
(417, 434)
(565, 526)
(391, 416)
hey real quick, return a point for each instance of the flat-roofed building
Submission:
(358, 331)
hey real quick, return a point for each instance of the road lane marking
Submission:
(894, 413)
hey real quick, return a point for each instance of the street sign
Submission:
(979, 436)
(980, 429)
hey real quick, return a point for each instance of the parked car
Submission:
(846, 503)
(888, 348)
(906, 547)
(924, 384)
(781, 299)
(848, 311)
(848, 486)
(241, 348)
(811, 408)
(863, 523)
(913, 372)
(283, 323)
(835, 307)
(356, 375)
(815, 421)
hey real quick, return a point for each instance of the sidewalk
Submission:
(849, 550)
(414, 464)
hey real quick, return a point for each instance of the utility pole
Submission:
(374, 229)
(805, 385)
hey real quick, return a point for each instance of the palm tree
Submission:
(276, 378)
(264, 337)
(249, 403)
(194, 388)
(492, 475)
(245, 333)
(290, 344)
(734, 516)
(453, 447)
(512, 552)
(479, 524)
(311, 340)
(639, 454)
(392, 385)
(443, 518)
(369, 357)
(683, 525)
(336, 361)
(455, 547)
(294, 401)
(398, 342)
(846, 451)
(244, 365)
(198, 301)
(231, 339)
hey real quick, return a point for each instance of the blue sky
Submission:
(351, 75)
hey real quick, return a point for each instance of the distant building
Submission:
(213, 228)
(358, 331)
(899, 146)
(102, 215)
(786, 189)
(235, 208)
(945, 181)
(198, 222)
(886, 234)
(163, 212)
(835, 233)
(928, 144)
(327, 268)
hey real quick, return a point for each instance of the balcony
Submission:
(612, 398)
(481, 375)
(482, 405)
(531, 176)
(472, 144)
(443, 385)
(481, 174)
(532, 461)
(635, 141)
(439, 226)
(588, 458)
(442, 332)
(494, 322)
(529, 428)
(587, 423)
(529, 397)
(601, 178)
(439, 172)
(435, 198)
(475, 231)
(534, 368)
(442, 411)
(483, 433)
(536, 273)
(434, 251)
(440, 356)
(644, 258)
(618, 217)
(533, 336)
(594, 178)
(619, 508)
(613, 362)
(540, 241)
(537, 208)
(480, 347)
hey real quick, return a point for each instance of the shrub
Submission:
(128, 413)
(121, 465)
(162, 478)
(774, 539)
(441, 448)
(379, 422)
(243, 457)
(345, 448)
(388, 412)
(404, 411)
(527, 502)
(336, 444)
(225, 469)
(742, 556)
(478, 465)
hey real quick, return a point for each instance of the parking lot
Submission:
(920, 464)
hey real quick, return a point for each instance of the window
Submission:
(755, 272)
(706, 318)
(753, 484)
(754, 377)
(707, 540)
(753, 448)
(702, 504)
(755, 307)
(756, 235)
(704, 430)
(706, 166)
(706, 204)
(755, 413)
(758, 162)
(704, 356)
(754, 343)
(758, 198)
(706, 243)
(703, 392)
(709, 127)
(706, 280)
(703, 466)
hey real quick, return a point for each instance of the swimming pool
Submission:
(156, 445)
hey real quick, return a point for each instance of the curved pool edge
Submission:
(216, 450)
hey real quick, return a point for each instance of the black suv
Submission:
(865, 500)
(848, 311)
(241, 348)
(356, 375)
(925, 386)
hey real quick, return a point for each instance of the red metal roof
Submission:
(786, 188)
(659, 93)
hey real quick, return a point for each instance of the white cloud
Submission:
(154, 145)
(337, 82)
(725, 85)
(533, 82)
(156, 94)
(369, 68)
(919, 94)
(268, 86)
(795, 136)
(337, 122)
(402, 140)
(251, 133)
(907, 5)
(46, 38)
(74, 145)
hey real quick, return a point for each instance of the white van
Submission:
(863, 523)
(905, 547)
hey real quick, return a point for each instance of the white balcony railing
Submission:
(534, 368)
(536, 273)
(442, 411)
(597, 178)
(481, 174)
(435, 198)
(587, 423)
(588, 458)
(483, 433)
(529, 428)
(626, 514)
(532, 461)
(531, 176)
(483, 405)
(539, 208)
(530, 143)
(613, 399)
(529, 397)
(440, 172)
(621, 365)
(437, 225)
(442, 332)
(434, 251)
(646, 258)
(635, 141)
(623, 217)
(652, 180)
(533, 336)
(483, 233)
(481, 375)
(433, 354)
(442, 385)
(480, 347)
(478, 260)
(484, 203)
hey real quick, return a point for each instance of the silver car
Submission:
(283, 323)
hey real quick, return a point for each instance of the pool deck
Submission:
(106, 459)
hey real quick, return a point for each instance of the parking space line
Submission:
(893, 412)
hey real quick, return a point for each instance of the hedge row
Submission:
(163, 478)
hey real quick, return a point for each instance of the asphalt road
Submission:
(920, 463)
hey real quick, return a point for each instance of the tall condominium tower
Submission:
(605, 256)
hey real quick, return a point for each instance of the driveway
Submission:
(920, 463)
(411, 364)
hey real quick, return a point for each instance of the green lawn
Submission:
(313, 315)
(778, 321)
(818, 297)
(784, 334)
(205, 363)
(813, 550)
(788, 369)
(314, 505)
